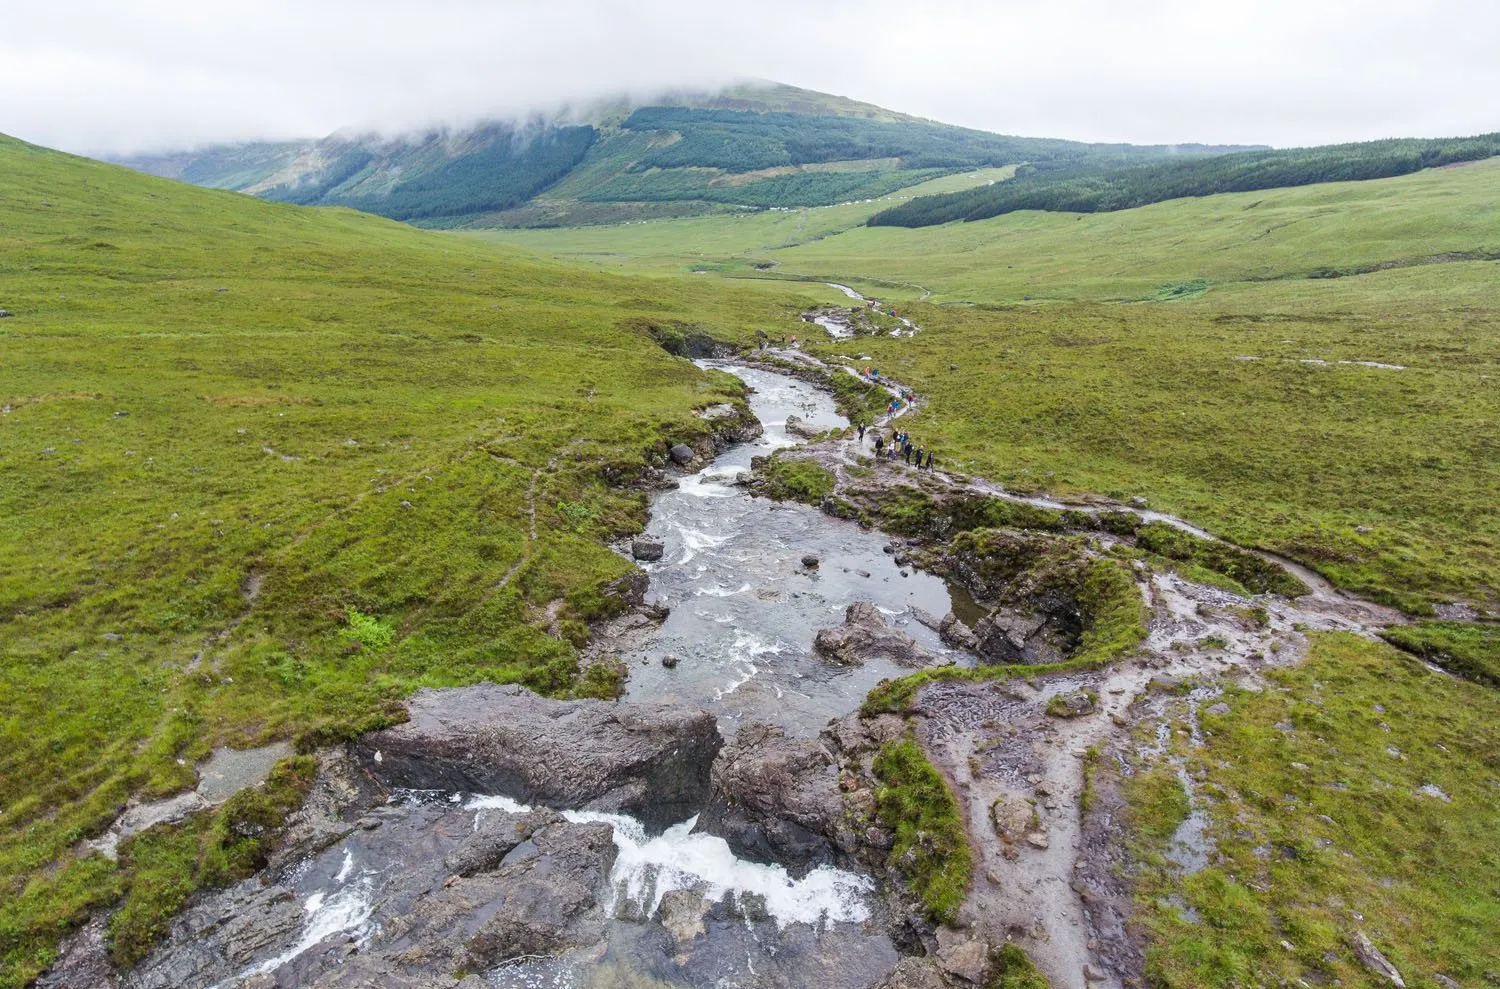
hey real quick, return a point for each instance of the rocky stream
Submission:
(717, 826)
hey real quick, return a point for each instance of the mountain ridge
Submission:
(682, 152)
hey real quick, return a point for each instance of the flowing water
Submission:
(745, 609)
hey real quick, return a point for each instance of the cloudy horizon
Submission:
(90, 77)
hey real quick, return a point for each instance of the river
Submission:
(745, 609)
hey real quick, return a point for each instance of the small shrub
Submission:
(368, 631)
(575, 515)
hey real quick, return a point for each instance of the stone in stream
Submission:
(646, 549)
(810, 561)
(864, 636)
(796, 426)
(682, 454)
(649, 760)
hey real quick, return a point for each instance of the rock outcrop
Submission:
(778, 799)
(865, 635)
(796, 426)
(1034, 638)
(649, 760)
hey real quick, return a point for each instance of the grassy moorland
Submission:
(1110, 353)
(265, 469)
(1355, 793)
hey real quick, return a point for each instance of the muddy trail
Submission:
(1046, 872)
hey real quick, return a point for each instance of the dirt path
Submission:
(1041, 874)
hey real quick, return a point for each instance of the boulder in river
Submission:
(796, 426)
(864, 636)
(646, 548)
(682, 454)
(649, 760)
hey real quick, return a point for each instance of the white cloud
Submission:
(92, 75)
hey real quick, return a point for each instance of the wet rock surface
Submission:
(777, 799)
(1032, 638)
(650, 760)
(643, 548)
(866, 635)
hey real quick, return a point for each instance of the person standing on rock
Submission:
(879, 446)
(861, 432)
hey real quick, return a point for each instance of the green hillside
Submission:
(227, 426)
(756, 146)
(1082, 187)
(1188, 352)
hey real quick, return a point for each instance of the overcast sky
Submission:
(125, 75)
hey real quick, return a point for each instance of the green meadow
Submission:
(1355, 792)
(1189, 352)
(265, 469)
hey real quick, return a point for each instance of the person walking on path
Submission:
(929, 460)
(879, 445)
(861, 432)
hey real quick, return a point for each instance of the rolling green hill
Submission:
(225, 423)
(1188, 351)
(1083, 187)
(754, 146)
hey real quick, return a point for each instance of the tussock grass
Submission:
(1012, 968)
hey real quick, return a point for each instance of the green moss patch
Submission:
(932, 847)
(790, 478)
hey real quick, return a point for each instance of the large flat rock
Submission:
(652, 761)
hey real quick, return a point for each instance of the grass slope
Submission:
(204, 393)
(1356, 793)
(1068, 187)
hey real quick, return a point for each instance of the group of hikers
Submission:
(899, 446)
